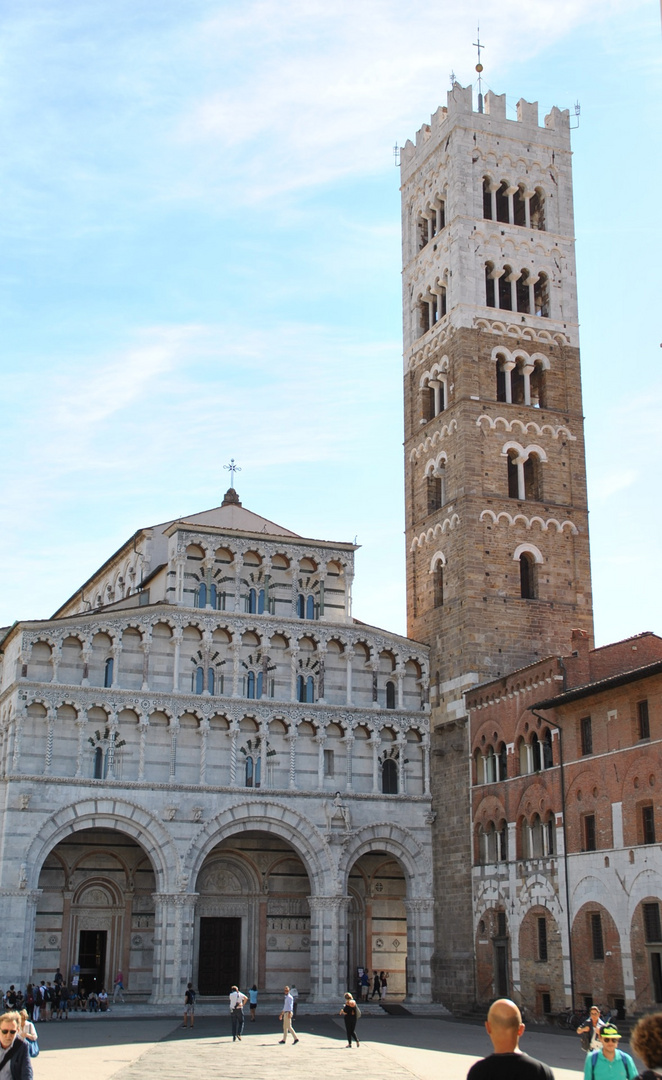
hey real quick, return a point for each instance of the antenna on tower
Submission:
(577, 110)
(452, 79)
(479, 68)
(396, 155)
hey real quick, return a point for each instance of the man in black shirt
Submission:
(504, 1027)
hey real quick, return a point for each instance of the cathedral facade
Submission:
(211, 772)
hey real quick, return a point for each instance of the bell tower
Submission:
(498, 571)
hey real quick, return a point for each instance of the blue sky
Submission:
(200, 260)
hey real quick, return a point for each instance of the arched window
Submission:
(310, 607)
(517, 385)
(490, 288)
(519, 206)
(201, 595)
(253, 771)
(513, 476)
(213, 596)
(310, 690)
(536, 753)
(549, 836)
(527, 586)
(535, 838)
(301, 606)
(487, 199)
(199, 680)
(108, 672)
(390, 695)
(98, 763)
(490, 766)
(301, 688)
(211, 680)
(505, 289)
(389, 777)
(250, 684)
(258, 685)
(434, 494)
(537, 385)
(537, 210)
(502, 203)
(524, 758)
(251, 602)
(532, 478)
(502, 842)
(547, 751)
(438, 585)
(523, 290)
(541, 296)
(503, 761)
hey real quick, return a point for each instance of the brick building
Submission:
(567, 822)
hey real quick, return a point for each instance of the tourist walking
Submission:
(376, 985)
(590, 1030)
(118, 988)
(609, 1063)
(15, 1061)
(286, 1016)
(189, 1005)
(350, 1014)
(237, 1002)
(505, 1028)
(252, 1001)
(383, 985)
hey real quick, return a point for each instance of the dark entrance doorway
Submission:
(220, 955)
(92, 959)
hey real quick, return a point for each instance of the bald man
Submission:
(504, 1027)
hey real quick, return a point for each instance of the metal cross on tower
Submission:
(232, 469)
(479, 68)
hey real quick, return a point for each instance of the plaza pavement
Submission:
(392, 1048)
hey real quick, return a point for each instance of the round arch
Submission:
(269, 817)
(114, 814)
(401, 845)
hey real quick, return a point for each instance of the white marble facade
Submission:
(203, 751)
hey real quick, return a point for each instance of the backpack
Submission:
(189, 997)
(358, 1012)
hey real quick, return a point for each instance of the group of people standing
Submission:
(379, 984)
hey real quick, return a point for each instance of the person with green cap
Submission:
(609, 1063)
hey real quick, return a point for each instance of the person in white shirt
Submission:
(286, 1016)
(237, 1002)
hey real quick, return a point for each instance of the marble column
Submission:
(328, 947)
(174, 922)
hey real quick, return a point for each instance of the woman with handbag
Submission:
(28, 1032)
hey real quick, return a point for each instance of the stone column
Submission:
(177, 635)
(349, 746)
(146, 646)
(526, 372)
(85, 659)
(204, 739)
(376, 741)
(292, 740)
(56, 658)
(400, 678)
(294, 657)
(180, 562)
(19, 720)
(320, 739)
(236, 645)
(420, 945)
(143, 726)
(174, 923)
(113, 724)
(425, 743)
(402, 746)
(117, 652)
(321, 652)
(348, 660)
(81, 724)
(375, 685)
(174, 730)
(50, 734)
(233, 733)
(328, 947)
(264, 734)
(507, 366)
